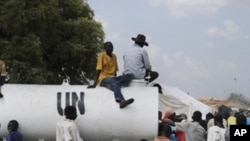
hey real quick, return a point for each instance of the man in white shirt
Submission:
(66, 129)
(217, 132)
(136, 60)
(193, 130)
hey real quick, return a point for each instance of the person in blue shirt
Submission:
(248, 117)
(14, 134)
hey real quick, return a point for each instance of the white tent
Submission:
(180, 102)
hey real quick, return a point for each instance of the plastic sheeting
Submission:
(181, 102)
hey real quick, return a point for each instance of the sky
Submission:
(201, 47)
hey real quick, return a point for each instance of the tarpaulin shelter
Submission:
(180, 102)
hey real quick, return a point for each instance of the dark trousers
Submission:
(116, 83)
(2, 80)
(152, 74)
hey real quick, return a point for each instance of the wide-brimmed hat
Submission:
(140, 39)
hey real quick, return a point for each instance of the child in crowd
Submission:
(14, 134)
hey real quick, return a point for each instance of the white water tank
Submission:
(37, 108)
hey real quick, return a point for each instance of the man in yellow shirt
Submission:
(106, 75)
(3, 75)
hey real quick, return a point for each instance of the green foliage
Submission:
(40, 37)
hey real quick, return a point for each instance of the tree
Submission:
(40, 37)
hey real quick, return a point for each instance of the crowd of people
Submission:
(172, 127)
(215, 127)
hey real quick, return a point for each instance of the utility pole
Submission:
(235, 80)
